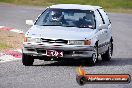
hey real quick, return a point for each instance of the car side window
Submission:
(105, 16)
(101, 16)
(99, 19)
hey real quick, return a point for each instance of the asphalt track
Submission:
(63, 74)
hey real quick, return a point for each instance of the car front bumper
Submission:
(69, 51)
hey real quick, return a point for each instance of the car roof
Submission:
(75, 6)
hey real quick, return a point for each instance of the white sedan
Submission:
(69, 31)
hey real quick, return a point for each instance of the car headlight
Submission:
(76, 42)
(29, 39)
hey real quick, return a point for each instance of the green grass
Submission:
(109, 5)
(4, 46)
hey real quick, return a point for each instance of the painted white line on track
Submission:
(18, 50)
(17, 31)
(2, 26)
(7, 58)
(1, 54)
(12, 29)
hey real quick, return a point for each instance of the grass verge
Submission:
(10, 40)
(110, 5)
(4, 46)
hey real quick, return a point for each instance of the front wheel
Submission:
(27, 60)
(93, 60)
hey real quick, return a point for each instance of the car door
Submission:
(108, 23)
(101, 33)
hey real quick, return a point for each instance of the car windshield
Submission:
(67, 18)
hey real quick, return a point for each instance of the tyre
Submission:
(108, 54)
(27, 60)
(93, 60)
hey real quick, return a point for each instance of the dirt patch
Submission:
(10, 40)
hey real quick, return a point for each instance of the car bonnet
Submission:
(59, 32)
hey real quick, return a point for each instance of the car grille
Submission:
(54, 41)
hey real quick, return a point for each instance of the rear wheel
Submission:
(108, 54)
(27, 60)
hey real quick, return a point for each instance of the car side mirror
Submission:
(103, 26)
(29, 22)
